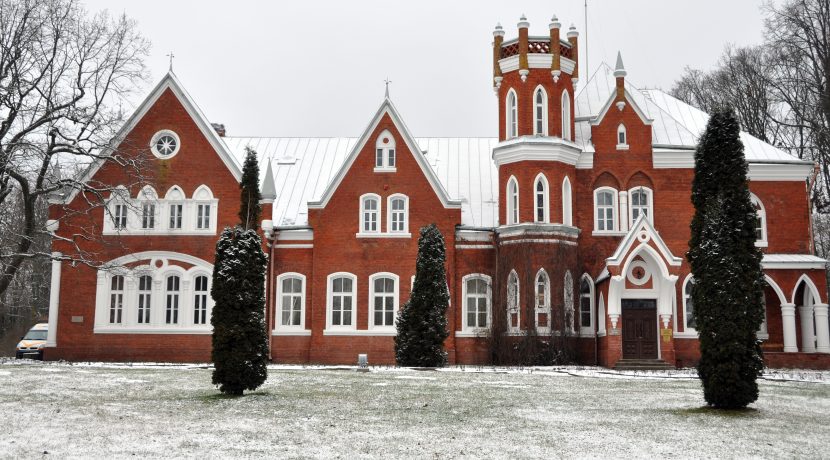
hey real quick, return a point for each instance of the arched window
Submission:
(566, 116)
(586, 305)
(200, 297)
(513, 313)
(542, 200)
(116, 299)
(118, 207)
(291, 298)
(476, 302)
(148, 208)
(569, 301)
(605, 209)
(383, 300)
(369, 212)
(567, 213)
(512, 127)
(540, 112)
(398, 209)
(175, 208)
(385, 159)
(145, 289)
(760, 221)
(689, 323)
(542, 292)
(622, 138)
(512, 201)
(640, 203)
(342, 293)
(172, 300)
(204, 203)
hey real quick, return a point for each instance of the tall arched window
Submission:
(540, 112)
(569, 301)
(542, 200)
(605, 209)
(200, 296)
(385, 159)
(476, 302)
(512, 201)
(689, 323)
(145, 286)
(383, 300)
(542, 286)
(760, 221)
(566, 116)
(567, 213)
(342, 293)
(172, 300)
(511, 115)
(290, 301)
(513, 313)
(640, 203)
(116, 299)
(369, 213)
(398, 209)
(622, 137)
(586, 305)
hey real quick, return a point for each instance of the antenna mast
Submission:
(587, 68)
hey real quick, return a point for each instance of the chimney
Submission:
(555, 48)
(523, 67)
(219, 128)
(572, 38)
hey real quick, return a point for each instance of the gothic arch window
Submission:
(760, 221)
(566, 116)
(511, 115)
(689, 324)
(567, 206)
(385, 154)
(622, 137)
(513, 311)
(512, 197)
(640, 202)
(586, 305)
(540, 112)
(568, 292)
(542, 301)
(541, 203)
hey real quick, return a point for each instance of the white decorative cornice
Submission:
(536, 148)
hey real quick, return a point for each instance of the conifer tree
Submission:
(240, 342)
(422, 322)
(726, 266)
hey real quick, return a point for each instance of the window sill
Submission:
(685, 335)
(151, 330)
(622, 146)
(761, 244)
(606, 233)
(166, 232)
(383, 235)
(360, 332)
(291, 332)
(473, 334)
(385, 169)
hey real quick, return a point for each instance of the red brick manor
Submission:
(573, 222)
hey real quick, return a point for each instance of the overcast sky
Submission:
(316, 68)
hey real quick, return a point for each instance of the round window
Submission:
(165, 144)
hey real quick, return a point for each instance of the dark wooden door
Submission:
(639, 328)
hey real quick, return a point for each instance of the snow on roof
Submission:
(303, 167)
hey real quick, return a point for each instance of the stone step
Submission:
(642, 365)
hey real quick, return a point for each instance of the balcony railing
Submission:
(534, 46)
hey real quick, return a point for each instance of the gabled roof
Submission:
(171, 82)
(642, 226)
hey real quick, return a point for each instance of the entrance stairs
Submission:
(643, 365)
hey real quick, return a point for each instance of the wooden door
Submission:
(639, 328)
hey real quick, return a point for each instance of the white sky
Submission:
(316, 68)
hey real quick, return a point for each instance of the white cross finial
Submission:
(387, 81)
(171, 56)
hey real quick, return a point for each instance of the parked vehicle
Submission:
(31, 345)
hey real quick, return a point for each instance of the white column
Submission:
(615, 287)
(54, 300)
(788, 321)
(808, 336)
(623, 211)
(822, 328)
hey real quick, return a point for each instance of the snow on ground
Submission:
(120, 410)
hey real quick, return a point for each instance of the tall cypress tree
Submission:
(422, 322)
(726, 266)
(240, 342)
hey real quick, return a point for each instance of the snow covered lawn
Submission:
(109, 410)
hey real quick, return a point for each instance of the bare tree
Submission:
(64, 75)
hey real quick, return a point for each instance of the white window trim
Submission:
(567, 202)
(157, 135)
(278, 307)
(544, 131)
(405, 214)
(650, 195)
(135, 209)
(518, 328)
(362, 232)
(546, 308)
(614, 207)
(466, 329)
(545, 201)
(587, 330)
(385, 167)
(566, 116)
(513, 216)
(330, 301)
(762, 213)
(396, 295)
(624, 145)
(687, 331)
(511, 114)
(192, 298)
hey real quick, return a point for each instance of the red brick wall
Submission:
(525, 105)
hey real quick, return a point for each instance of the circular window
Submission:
(165, 144)
(639, 274)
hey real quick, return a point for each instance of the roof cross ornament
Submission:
(171, 56)
(387, 81)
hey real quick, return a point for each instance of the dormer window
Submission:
(540, 112)
(385, 160)
(622, 138)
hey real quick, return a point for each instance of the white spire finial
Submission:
(498, 31)
(387, 81)
(171, 56)
(554, 23)
(619, 69)
(523, 24)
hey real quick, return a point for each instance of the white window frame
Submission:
(390, 213)
(165, 132)
(117, 298)
(145, 297)
(567, 202)
(467, 329)
(170, 201)
(614, 209)
(166, 297)
(395, 299)
(589, 329)
(537, 106)
(361, 218)
(545, 306)
(330, 301)
(512, 205)
(511, 107)
(649, 204)
(686, 329)
(621, 130)
(278, 326)
(541, 179)
(566, 116)
(513, 277)
(761, 212)
(193, 293)
(387, 150)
